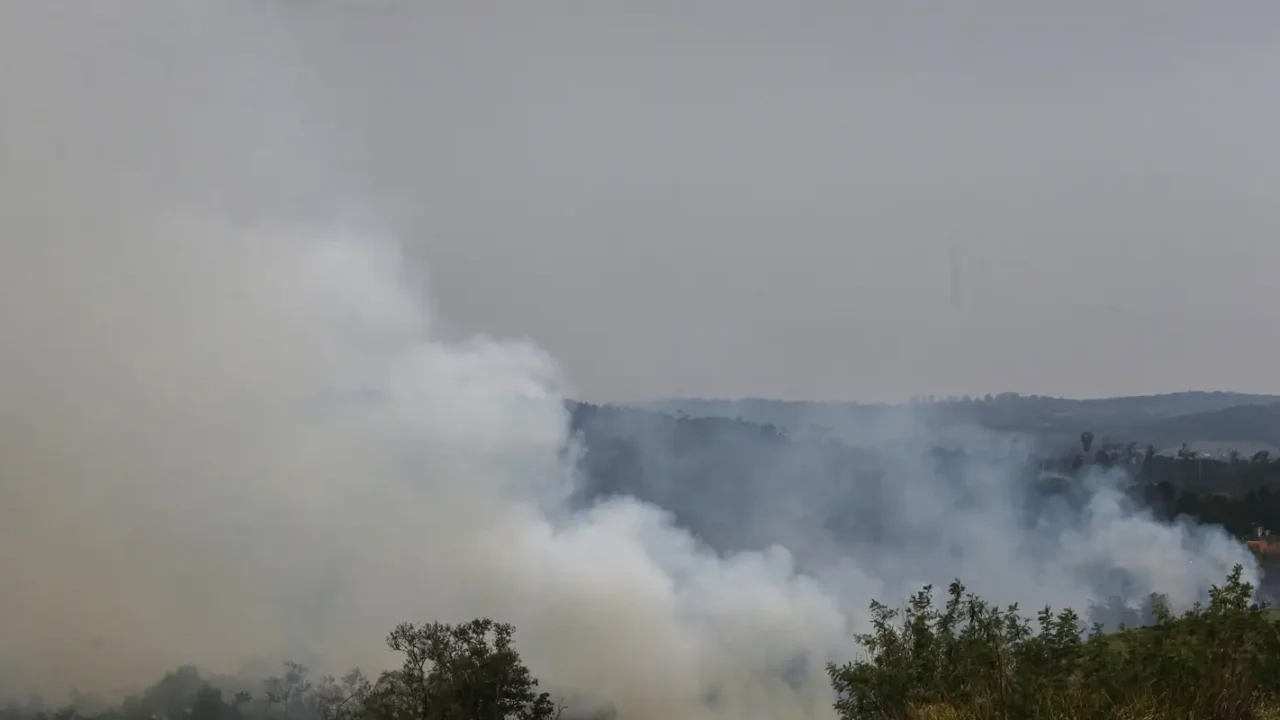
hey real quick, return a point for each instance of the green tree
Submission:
(469, 671)
(973, 661)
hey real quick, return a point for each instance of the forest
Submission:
(692, 464)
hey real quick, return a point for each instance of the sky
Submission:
(807, 200)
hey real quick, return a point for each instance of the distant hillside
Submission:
(722, 477)
(1166, 419)
(1255, 423)
(739, 485)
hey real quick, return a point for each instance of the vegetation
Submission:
(973, 661)
(966, 660)
(969, 660)
(1164, 420)
(661, 458)
(469, 671)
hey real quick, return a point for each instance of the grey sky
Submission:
(749, 198)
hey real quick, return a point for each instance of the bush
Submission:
(969, 659)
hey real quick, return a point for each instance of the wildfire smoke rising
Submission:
(231, 429)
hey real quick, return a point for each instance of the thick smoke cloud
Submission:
(933, 506)
(231, 429)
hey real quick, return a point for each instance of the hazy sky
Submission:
(773, 198)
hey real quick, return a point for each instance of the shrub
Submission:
(970, 659)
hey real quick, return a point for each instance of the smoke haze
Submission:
(232, 430)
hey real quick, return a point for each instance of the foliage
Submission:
(965, 660)
(707, 470)
(970, 659)
(458, 672)
(469, 671)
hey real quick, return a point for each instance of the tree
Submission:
(469, 671)
(970, 659)
(1086, 441)
(290, 689)
(344, 699)
(209, 705)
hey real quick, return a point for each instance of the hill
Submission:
(1257, 424)
(1164, 420)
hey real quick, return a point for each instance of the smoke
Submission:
(879, 523)
(231, 429)
(255, 447)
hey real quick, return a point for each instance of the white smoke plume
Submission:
(231, 429)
